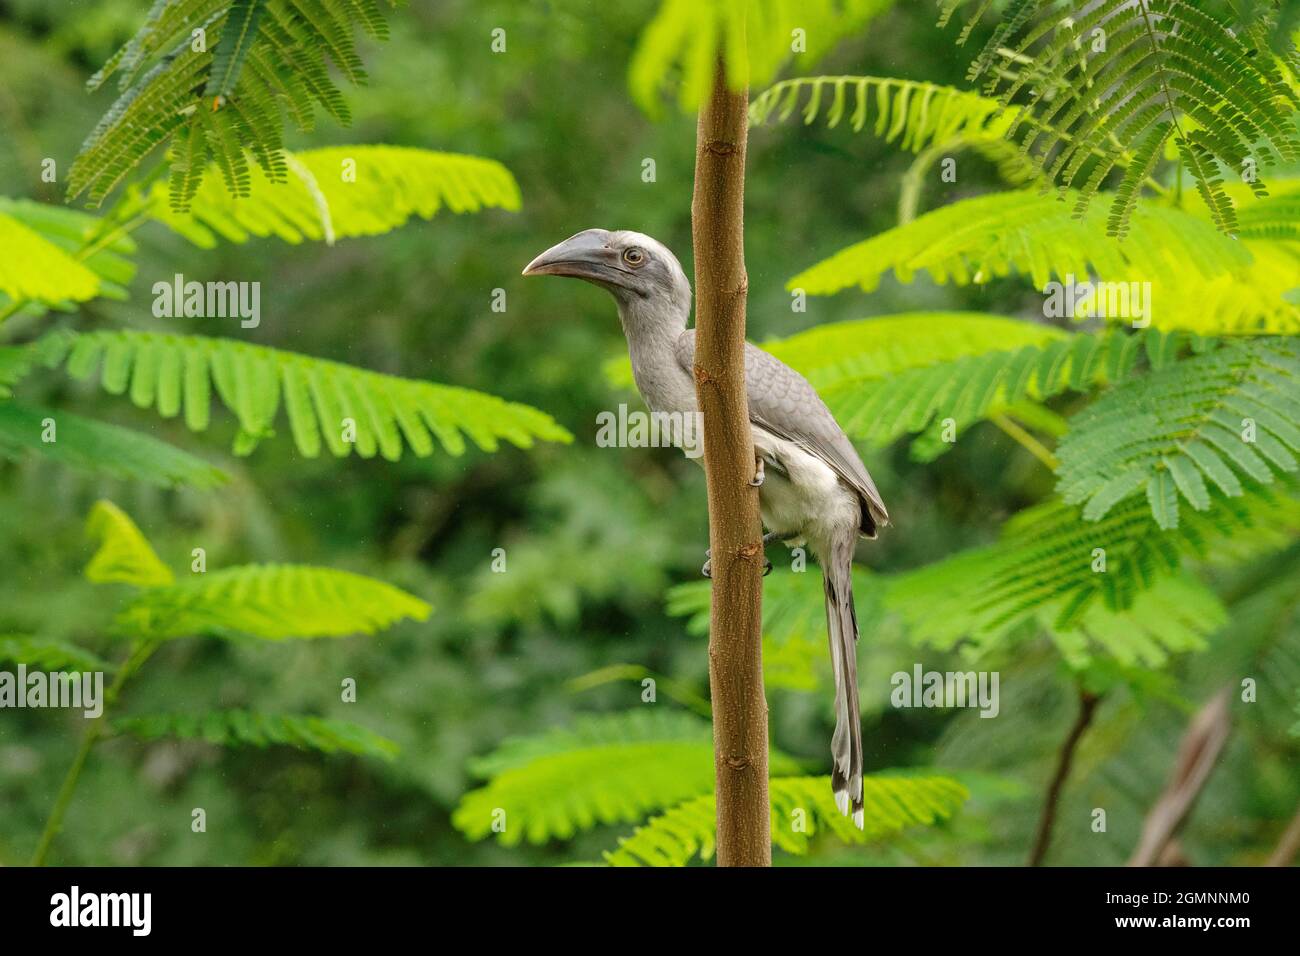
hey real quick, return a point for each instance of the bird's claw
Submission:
(767, 567)
(757, 480)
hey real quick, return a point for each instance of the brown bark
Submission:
(1197, 755)
(1288, 846)
(736, 549)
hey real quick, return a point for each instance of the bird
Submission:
(813, 488)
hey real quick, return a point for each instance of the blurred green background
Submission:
(593, 536)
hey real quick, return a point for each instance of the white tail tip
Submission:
(842, 801)
(859, 819)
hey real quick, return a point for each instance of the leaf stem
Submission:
(139, 653)
(1028, 441)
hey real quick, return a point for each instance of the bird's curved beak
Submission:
(584, 256)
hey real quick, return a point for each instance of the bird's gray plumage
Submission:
(815, 487)
(782, 402)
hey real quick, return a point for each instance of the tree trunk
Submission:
(735, 533)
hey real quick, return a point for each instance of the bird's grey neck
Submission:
(652, 328)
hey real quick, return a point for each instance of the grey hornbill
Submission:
(813, 487)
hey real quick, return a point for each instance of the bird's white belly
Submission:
(801, 495)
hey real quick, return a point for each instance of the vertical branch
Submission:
(1047, 822)
(735, 634)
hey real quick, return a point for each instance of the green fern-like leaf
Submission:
(124, 554)
(802, 807)
(96, 243)
(99, 448)
(1133, 76)
(681, 44)
(237, 36)
(977, 240)
(34, 269)
(615, 768)
(1185, 275)
(912, 113)
(49, 655)
(272, 602)
(340, 192)
(56, 257)
(324, 401)
(241, 728)
(935, 606)
(889, 345)
(216, 78)
(1051, 569)
(1215, 419)
(976, 387)
(969, 389)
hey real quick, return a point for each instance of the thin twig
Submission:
(1087, 708)
(136, 657)
(1028, 441)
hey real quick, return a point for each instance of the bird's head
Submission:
(634, 268)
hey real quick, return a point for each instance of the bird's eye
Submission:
(633, 256)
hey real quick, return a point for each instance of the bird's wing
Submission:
(782, 401)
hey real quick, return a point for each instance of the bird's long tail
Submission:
(842, 631)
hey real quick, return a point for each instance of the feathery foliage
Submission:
(35, 269)
(913, 113)
(1217, 418)
(241, 728)
(888, 345)
(972, 388)
(1133, 76)
(176, 373)
(979, 239)
(124, 554)
(339, 192)
(613, 768)
(968, 389)
(49, 655)
(272, 602)
(87, 241)
(1168, 615)
(99, 448)
(1050, 568)
(801, 808)
(217, 78)
(681, 45)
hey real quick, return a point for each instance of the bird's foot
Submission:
(757, 480)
